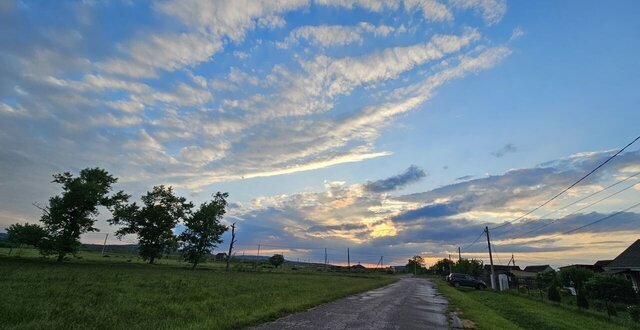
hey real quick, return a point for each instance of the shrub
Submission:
(581, 299)
(634, 312)
(611, 289)
(553, 293)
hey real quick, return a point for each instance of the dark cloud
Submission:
(432, 211)
(343, 227)
(508, 148)
(411, 175)
(464, 178)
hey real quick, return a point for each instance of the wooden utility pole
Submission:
(459, 254)
(325, 258)
(348, 260)
(233, 240)
(493, 274)
(105, 243)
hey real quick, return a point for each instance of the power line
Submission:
(571, 186)
(474, 242)
(576, 211)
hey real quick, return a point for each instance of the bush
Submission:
(634, 313)
(553, 294)
(611, 289)
(581, 299)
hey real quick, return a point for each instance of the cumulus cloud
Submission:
(411, 175)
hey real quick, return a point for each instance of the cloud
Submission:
(335, 35)
(411, 175)
(492, 11)
(508, 148)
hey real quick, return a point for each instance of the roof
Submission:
(602, 263)
(536, 268)
(629, 258)
(501, 268)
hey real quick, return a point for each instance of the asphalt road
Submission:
(410, 303)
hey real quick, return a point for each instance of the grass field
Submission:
(86, 294)
(493, 310)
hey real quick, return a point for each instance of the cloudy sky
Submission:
(392, 128)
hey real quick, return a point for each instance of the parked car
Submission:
(459, 280)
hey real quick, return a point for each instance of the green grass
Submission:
(494, 310)
(83, 294)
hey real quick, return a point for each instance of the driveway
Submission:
(410, 303)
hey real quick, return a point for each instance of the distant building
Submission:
(358, 266)
(538, 269)
(221, 256)
(627, 264)
(598, 267)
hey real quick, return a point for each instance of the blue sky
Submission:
(462, 112)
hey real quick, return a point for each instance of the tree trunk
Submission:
(60, 257)
(194, 265)
(151, 260)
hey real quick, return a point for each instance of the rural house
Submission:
(627, 264)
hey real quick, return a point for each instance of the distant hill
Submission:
(114, 248)
(3, 236)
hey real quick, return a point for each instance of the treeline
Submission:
(74, 212)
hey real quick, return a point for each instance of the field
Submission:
(94, 294)
(492, 310)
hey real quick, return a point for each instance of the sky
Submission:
(392, 128)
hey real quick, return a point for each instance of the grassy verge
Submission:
(39, 294)
(492, 310)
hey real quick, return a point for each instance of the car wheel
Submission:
(456, 284)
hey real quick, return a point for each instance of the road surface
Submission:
(410, 303)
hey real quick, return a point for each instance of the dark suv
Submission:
(459, 280)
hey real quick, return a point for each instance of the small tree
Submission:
(611, 289)
(28, 234)
(153, 223)
(74, 211)
(442, 266)
(415, 264)
(575, 276)
(468, 266)
(276, 260)
(204, 229)
(546, 279)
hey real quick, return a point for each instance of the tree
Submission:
(276, 260)
(546, 279)
(442, 266)
(28, 234)
(575, 276)
(74, 211)
(203, 229)
(415, 264)
(611, 289)
(468, 266)
(581, 299)
(153, 222)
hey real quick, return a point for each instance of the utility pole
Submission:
(382, 262)
(325, 258)
(258, 250)
(459, 254)
(348, 260)
(450, 264)
(105, 243)
(233, 240)
(493, 274)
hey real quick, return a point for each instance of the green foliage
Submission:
(74, 211)
(28, 234)
(581, 299)
(415, 264)
(468, 266)
(546, 279)
(153, 223)
(575, 276)
(634, 312)
(553, 294)
(276, 260)
(203, 229)
(441, 267)
(611, 288)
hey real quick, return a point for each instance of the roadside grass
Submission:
(494, 310)
(39, 294)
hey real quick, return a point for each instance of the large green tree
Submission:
(74, 212)
(468, 266)
(276, 260)
(415, 264)
(575, 276)
(203, 229)
(153, 222)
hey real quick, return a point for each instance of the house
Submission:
(221, 256)
(600, 264)
(538, 269)
(358, 266)
(596, 268)
(500, 269)
(627, 264)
